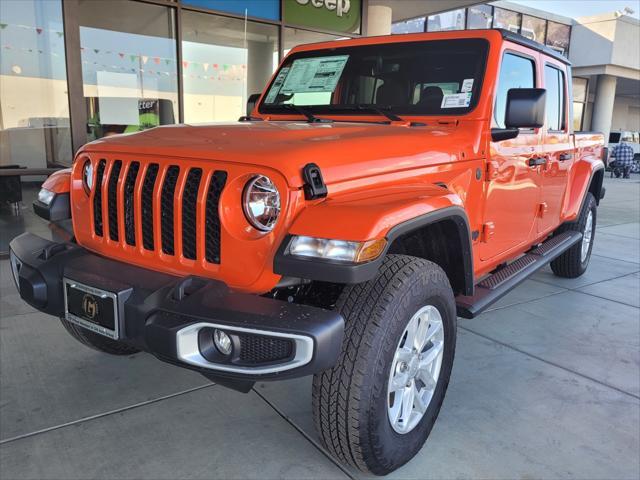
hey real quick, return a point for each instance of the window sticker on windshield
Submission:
(467, 85)
(319, 74)
(456, 100)
(277, 85)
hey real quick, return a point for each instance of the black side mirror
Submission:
(251, 103)
(525, 109)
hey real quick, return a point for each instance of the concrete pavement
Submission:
(546, 385)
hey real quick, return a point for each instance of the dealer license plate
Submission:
(91, 308)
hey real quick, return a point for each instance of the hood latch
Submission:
(314, 186)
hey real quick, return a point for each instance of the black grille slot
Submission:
(168, 190)
(189, 202)
(112, 201)
(147, 206)
(129, 204)
(212, 222)
(97, 199)
(256, 349)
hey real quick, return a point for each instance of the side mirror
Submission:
(251, 102)
(525, 109)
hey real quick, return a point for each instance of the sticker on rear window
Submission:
(456, 100)
(467, 85)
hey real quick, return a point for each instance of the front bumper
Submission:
(174, 318)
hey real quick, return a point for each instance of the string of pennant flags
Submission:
(212, 70)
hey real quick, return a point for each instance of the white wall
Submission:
(626, 114)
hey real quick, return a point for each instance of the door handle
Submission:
(565, 156)
(537, 161)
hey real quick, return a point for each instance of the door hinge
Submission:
(492, 170)
(542, 209)
(488, 229)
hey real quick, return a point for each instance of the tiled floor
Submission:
(546, 385)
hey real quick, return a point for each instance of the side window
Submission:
(555, 84)
(515, 72)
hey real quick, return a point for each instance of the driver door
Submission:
(512, 177)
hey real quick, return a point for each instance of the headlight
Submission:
(261, 203)
(87, 176)
(339, 250)
(46, 196)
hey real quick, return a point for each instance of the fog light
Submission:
(222, 342)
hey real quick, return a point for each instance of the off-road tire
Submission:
(350, 400)
(97, 342)
(570, 264)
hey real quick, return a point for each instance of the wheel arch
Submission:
(442, 237)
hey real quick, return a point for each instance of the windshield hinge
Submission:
(314, 186)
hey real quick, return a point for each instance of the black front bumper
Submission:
(173, 318)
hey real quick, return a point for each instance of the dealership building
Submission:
(75, 70)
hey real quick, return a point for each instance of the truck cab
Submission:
(378, 189)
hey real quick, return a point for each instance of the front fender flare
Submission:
(357, 217)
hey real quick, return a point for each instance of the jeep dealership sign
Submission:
(337, 15)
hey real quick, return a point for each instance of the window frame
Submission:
(564, 122)
(534, 61)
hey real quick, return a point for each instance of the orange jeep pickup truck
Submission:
(378, 189)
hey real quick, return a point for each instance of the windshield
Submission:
(437, 77)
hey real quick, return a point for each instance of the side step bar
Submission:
(498, 284)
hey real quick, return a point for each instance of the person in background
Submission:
(622, 155)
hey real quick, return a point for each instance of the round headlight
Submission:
(261, 203)
(87, 176)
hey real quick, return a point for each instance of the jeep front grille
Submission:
(130, 194)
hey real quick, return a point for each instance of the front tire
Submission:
(360, 409)
(575, 260)
(97, 342)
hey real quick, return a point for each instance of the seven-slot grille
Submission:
(115, 178)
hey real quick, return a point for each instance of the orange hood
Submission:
(343, 150)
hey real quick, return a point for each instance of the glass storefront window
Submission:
(269, 9)
(453, 20)
(34, 106)
(558, 36)
(507, 19)
(415, 25)
(579, 89)
(479, 17)
(296, 36)
(222, 64)
(534, 28)
(578, 110)
(129, 66)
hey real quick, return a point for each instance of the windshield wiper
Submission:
(382, 110)
(311, 118)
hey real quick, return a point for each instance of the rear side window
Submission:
(515, 72)
(555, 85)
